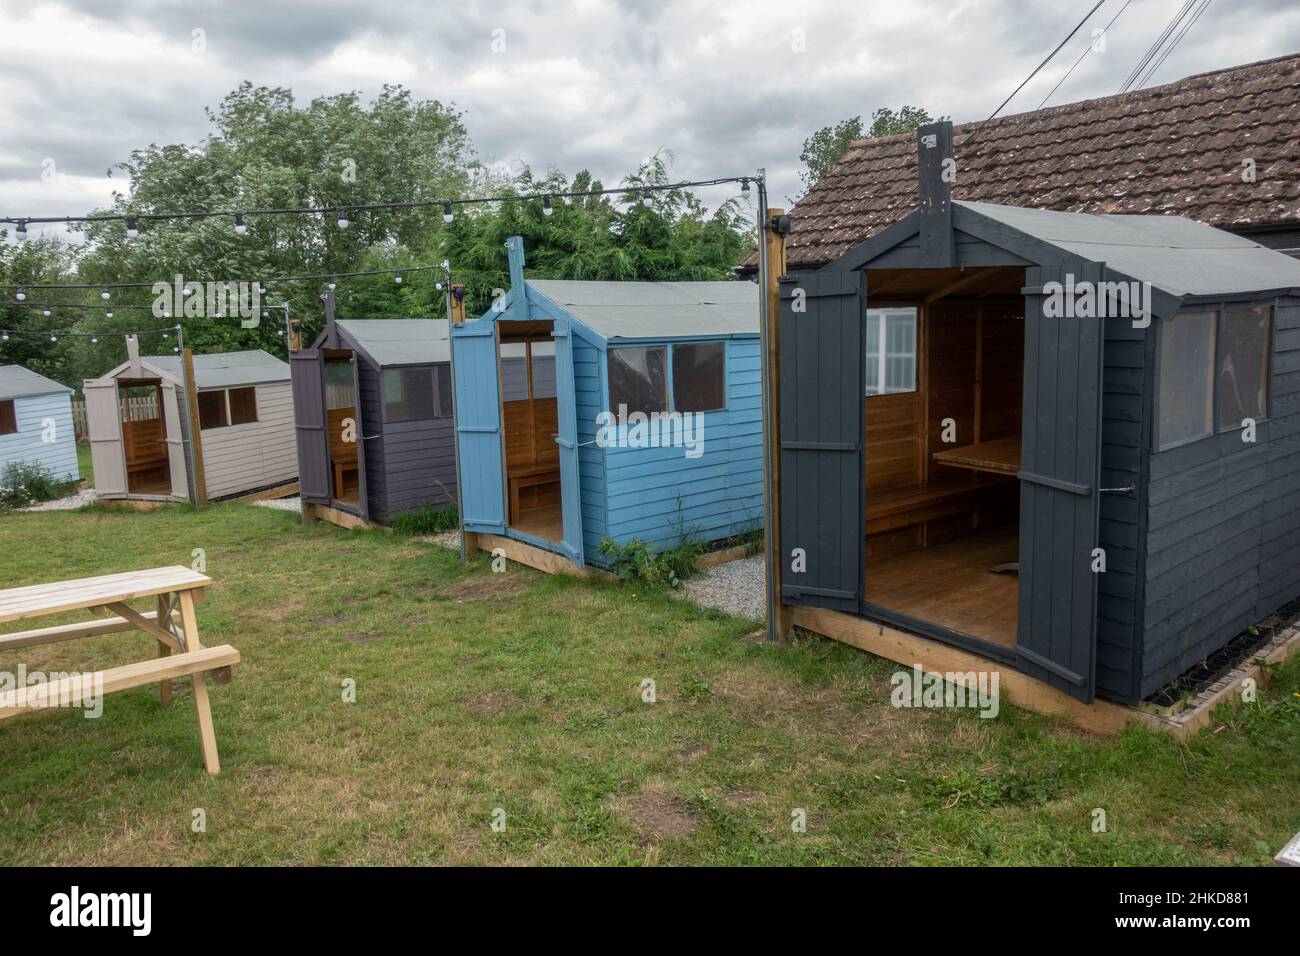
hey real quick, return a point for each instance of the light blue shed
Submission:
(587, 410)
(36, 422)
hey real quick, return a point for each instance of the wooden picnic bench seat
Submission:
(529, 476)
(68, 689)
(175, 591)
(343, 454)
(901, 507)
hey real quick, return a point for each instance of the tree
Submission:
(824, 148)
(38, 261)
(597, 237)
(266, 152)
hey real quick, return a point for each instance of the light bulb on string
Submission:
(546, 205)
(94, 340)
(646, 199)
(398, 278)
(331, 284)
(21, 231)
(108, 314)
(744, 188)
(447, 215)
(105, 294)
(343, 219)
(54, 338)
(132, 228)
(20, 295)
(45, 312)
(240, 227)
(4, 337)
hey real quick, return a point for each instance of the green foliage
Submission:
(427, 520)
(38, 260)
(635, 560)
(824, 148)
(596, 237)
(27, 483)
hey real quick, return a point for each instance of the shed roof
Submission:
(1175, 149)
(224, 369)
(638, 310)
(19, 382)
(1180, 256)
(399, 341)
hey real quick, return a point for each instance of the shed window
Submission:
(442, 385)
(542, 359)
(1243, 364)
(8, 417)
(699, 376)
(243, 405)
(408, 394)
(638, 378)
(339, 391)
(1186, 400)
(212, 409)
(891, 351)
(514, 371)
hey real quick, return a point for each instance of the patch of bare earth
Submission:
(656, 815)
(500, 589)
(490, 703)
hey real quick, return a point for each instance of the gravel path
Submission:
(280, 504)
(70, 503)
(735, 587)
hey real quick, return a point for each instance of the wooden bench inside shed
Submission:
(343, 454)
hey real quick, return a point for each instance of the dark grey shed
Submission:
(1162, 447)
(374, 421)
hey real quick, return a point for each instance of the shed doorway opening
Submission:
(943, 412)
(144, 437)
(343, 425)
(530, 425)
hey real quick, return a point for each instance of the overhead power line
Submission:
(1023, 82)
(343, 211)
(196, 283)
(1086, 50)
(1146, 77)
(1154, 48)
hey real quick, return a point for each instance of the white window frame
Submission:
(882, 355)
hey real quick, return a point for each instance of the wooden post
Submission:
(196, 429)
(456, 316)
(776, 266)
(457, 304)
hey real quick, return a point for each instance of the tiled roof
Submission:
(1175, 149)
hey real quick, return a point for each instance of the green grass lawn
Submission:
(477, 691)
(84, 468)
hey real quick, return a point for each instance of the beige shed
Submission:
(137, 418)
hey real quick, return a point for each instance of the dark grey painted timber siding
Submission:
(1124, 434)
(1223, 539)
(306, 371)
(408, 464)
(1059, 496)
(822, 438)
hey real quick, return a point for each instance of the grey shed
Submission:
(373, 407)
(1067, 442)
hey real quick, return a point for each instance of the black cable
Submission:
(1154, 47)
(979, 129)
(201, 282)
(1170, 49)
(1084, 54)
(365, 207)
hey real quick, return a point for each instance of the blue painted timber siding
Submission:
(656, 494)
(25, 445)
(589, 391)
(1222, 546)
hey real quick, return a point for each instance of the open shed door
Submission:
(566, 409)
(358, 408)
(823, 315)
(171, 412)
(104, 425)
(478, 426)
(306, 372)
(1060, 495)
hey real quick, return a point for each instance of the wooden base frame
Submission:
(344, 519)
(1100, 717)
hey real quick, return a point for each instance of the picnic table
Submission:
(174, 590)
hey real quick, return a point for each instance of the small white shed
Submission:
(36, 423)
(137, 417)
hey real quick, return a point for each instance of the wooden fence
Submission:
(138, 408)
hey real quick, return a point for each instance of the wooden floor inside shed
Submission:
(950, 584)
(546, 522)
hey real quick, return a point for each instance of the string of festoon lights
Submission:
(344, 213)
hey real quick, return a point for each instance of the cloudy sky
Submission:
(726, 87)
